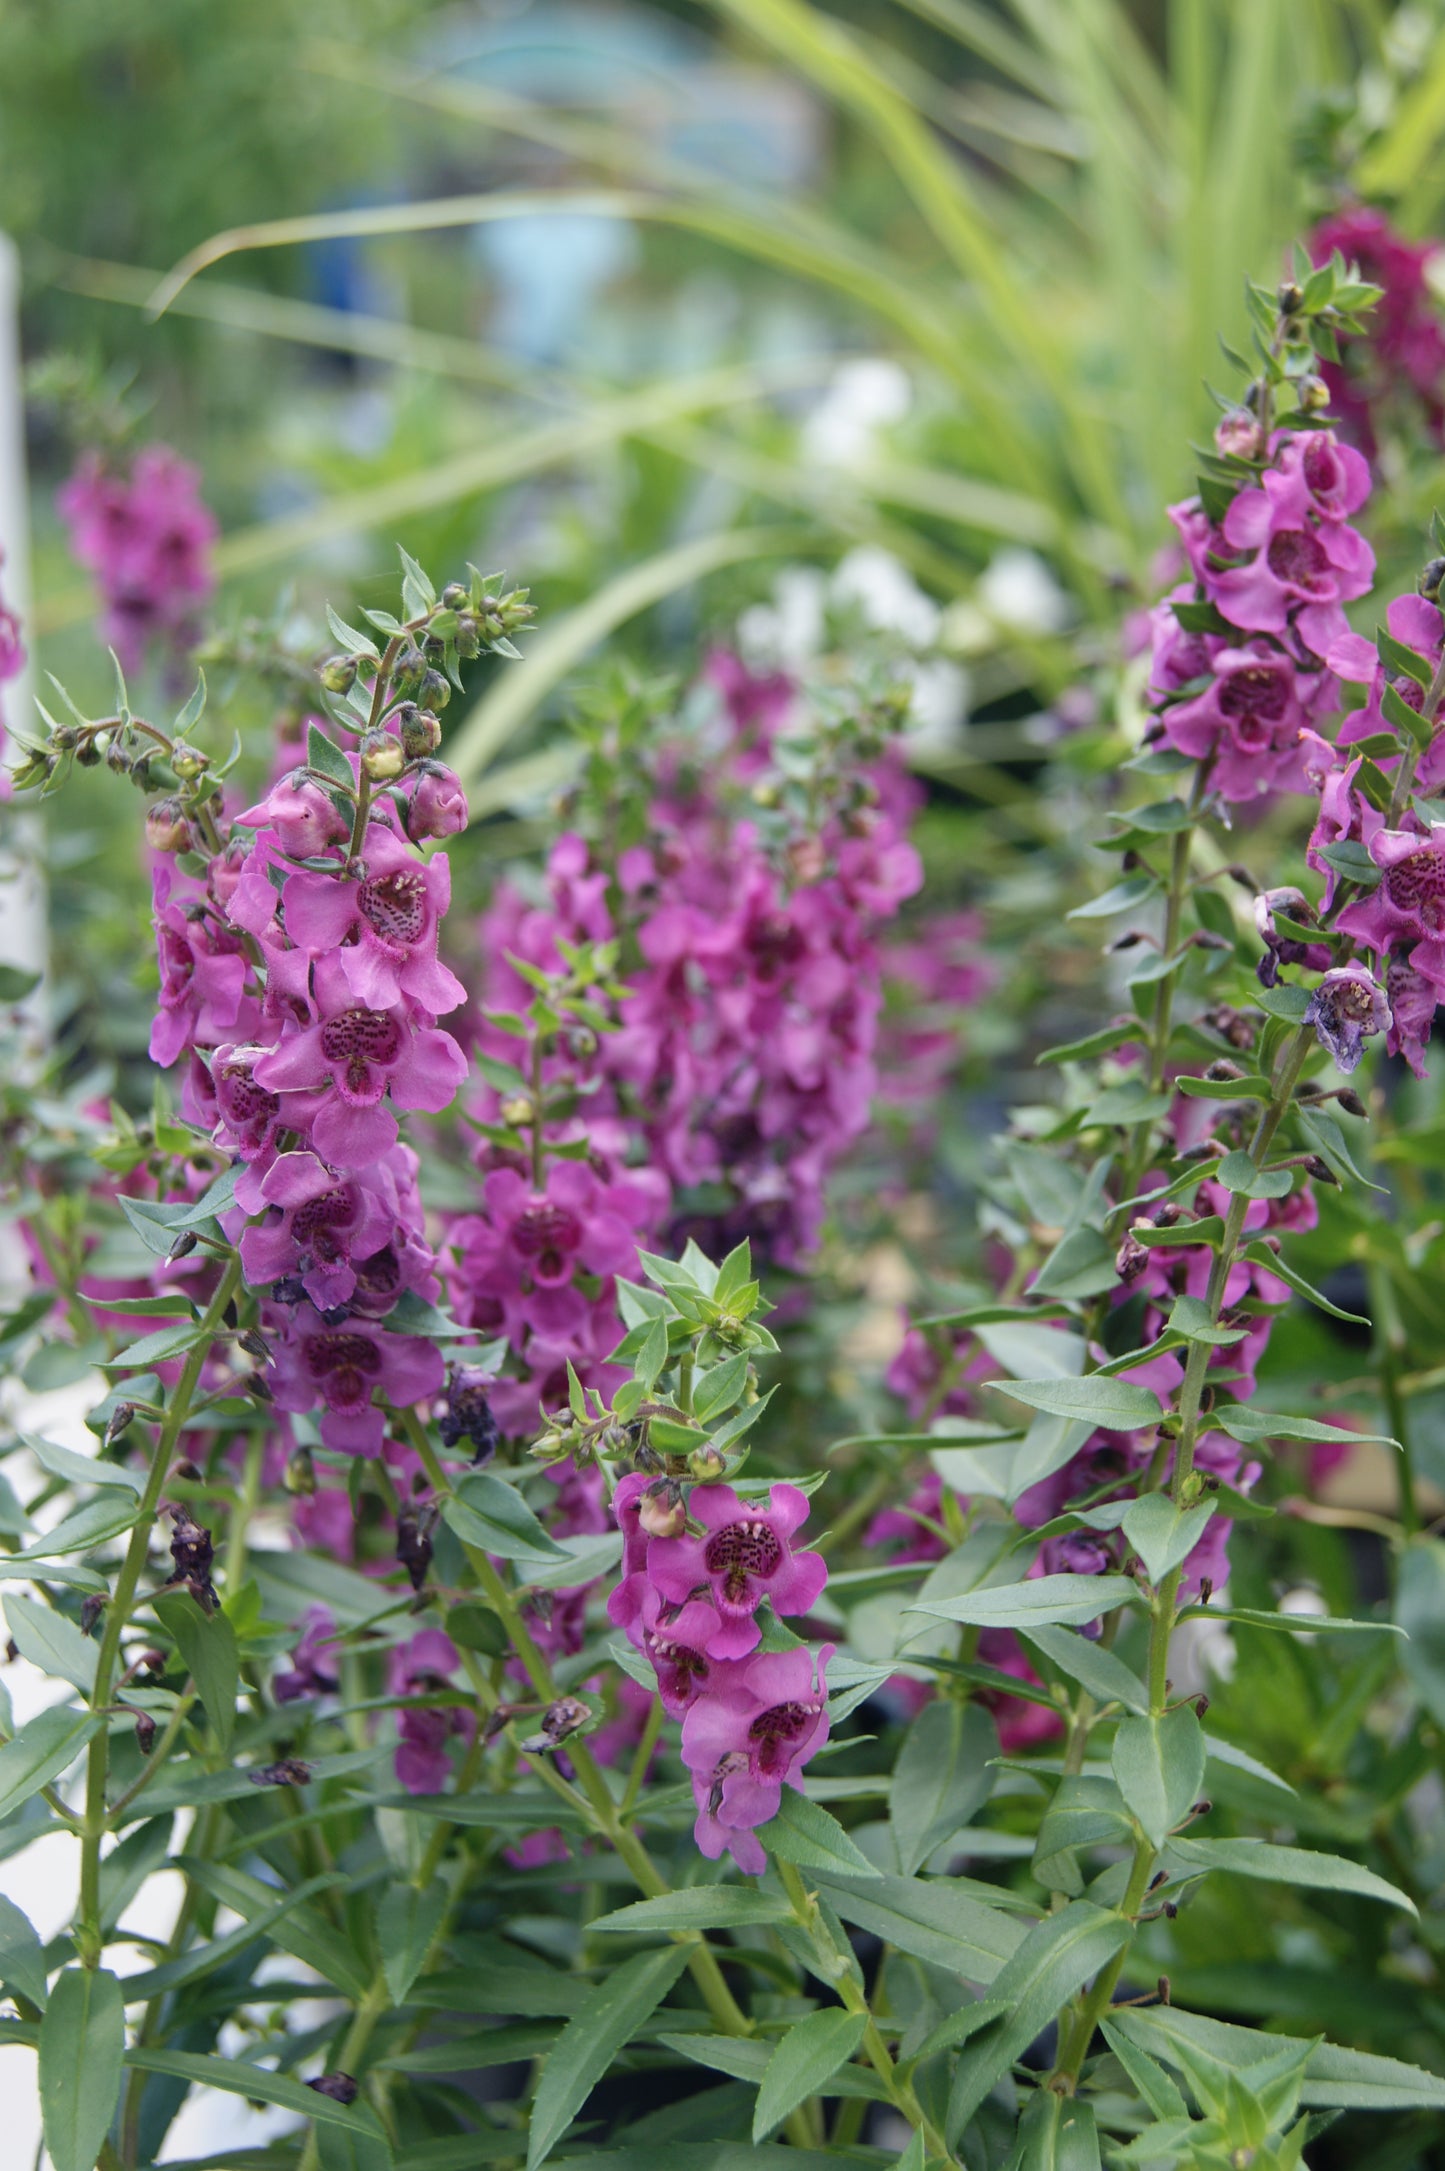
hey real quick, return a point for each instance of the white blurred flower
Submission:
(863, 397)
(937, 707)
(887, 595)
(789, 630)
(1019, 591)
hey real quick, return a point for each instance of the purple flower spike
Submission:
(746, 1740)
(1344, 1010)
(742, 1557)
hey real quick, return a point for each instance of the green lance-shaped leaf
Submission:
(1289, 1866)
(352, 2148)
(238, 2077)
(22, 1956)
(406, 1922)
(808, 2055)
(1056, 2133)
(1041, 1602)
(1056, 1958)
(1420, 1612)
(931, 1918)
(1085, 1812)
(944, 1775)
(702, 1907)
(51, 1641)
(1162, 1534)
(1105, 1676)
(1159, 1766)
(1114, 1404)
(207, 1644)
(804, 1833)
(82, 2044)
(41, 1750)
(589, 2042)
(489, 1513)
(1335, 2078)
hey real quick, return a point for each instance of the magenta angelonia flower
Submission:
(315, 1668)
(147, 536)
(1299, 571)
(382, 927)
(203, 1000)
(1249, 718)
(343, 1367)
(746, 1740)
(354, 1056)
(743, 1555)
(426, 1662)
(1345, 1009)
(1408, 902)
(1412, 997)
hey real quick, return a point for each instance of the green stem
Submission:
(89, 1943)
(900, 2089)
(1164, 1610)
(603, 1811)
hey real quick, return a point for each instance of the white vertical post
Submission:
(22, 889)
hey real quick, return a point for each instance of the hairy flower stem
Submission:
(603, 1811)
(88, 1938)
(1163, 1612)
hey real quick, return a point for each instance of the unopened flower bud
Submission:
(1223, 1072)
(1313, 395)
(145, 1732)
(90, 1612)
(301, 1474)
(1320, 1170)
(120, 1420)
(339, 2086)
(65, 738)
(435, 690)
(661, 1512)
(455, 596)
(187, 1472)
(1290, 297)
(1238, 436)
(1431, 578)
(87, 753)
(382, 757)
(707, 1464)
(581, 1043)
(408, 671)
(183, 1246)
(1351, 1103)
(438, 805)
(517, 1110)
(117, 757)
(188, 762)
(338, 674)
(468, 637)
(421, 733)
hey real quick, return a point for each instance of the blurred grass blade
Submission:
(552, 655)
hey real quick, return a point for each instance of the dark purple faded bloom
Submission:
(748, 1738)
(1345, 1009)
(742, 1556)
(1291, 904)
(467, 1412)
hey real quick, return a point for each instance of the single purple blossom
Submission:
(742, 1556)
(749, 1737)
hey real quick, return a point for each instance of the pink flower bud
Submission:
(438, 806)
(303, 816)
